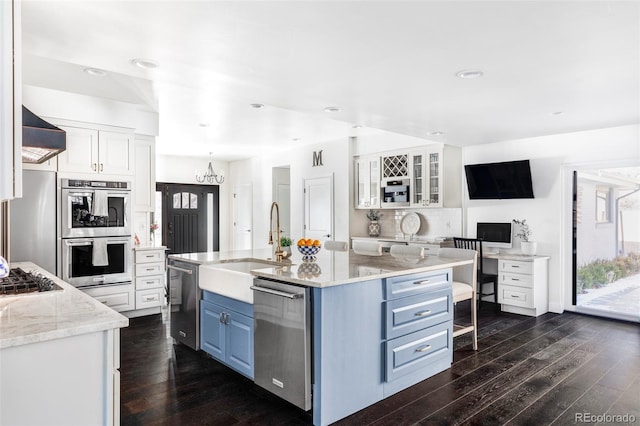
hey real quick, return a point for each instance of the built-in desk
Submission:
(523, 282)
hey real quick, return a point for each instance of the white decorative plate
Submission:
(410, 223)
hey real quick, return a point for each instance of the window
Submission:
(603, 204)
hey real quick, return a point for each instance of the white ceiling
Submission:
(388, 65)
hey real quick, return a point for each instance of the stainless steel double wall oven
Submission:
(95, 230)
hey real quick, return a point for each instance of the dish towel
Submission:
(100, 255)
(100, 203)
(367, 248)
(336, 245)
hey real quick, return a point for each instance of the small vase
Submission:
(374, 228)
(529, 248)
(152, 239)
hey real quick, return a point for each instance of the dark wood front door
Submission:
(187, 222)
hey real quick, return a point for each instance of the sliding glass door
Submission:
(606, 242)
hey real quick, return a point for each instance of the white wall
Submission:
(179, 169)
(549, 213)
(258, 171)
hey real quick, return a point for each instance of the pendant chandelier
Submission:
(210, 175)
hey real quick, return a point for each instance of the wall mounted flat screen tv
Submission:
(495, 181)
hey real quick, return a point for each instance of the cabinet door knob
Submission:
(101, 167)
(94, 167)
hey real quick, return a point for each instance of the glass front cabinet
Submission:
(367, 182)
(433, 185)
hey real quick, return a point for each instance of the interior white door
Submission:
(242, 217)
(282, 195)
(318, 208)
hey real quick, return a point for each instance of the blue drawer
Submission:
(418, 350)
(409, 285)
(413, 313)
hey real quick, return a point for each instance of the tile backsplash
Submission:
(433, 222)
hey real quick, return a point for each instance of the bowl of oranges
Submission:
(308, 248)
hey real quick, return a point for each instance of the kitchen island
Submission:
(59, 357)
(378, 324)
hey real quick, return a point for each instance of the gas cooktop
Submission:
(20, 282)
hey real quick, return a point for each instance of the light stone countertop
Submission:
(39, 317)
(331, 267)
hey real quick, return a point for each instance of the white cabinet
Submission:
(11, 101)
(523, 285)
(144, 171)
(367, 182)
(436, 176)
(96, 151)
(149, 277)
(118, 297)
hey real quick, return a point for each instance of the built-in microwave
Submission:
(395, 193)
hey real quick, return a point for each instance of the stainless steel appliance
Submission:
(33, 221)
(81, 268)
(184, 302)
(20, 282)
(94, 208)
(395, 193)
(282, 340)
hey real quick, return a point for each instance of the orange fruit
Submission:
(316, 243)
(301, 242)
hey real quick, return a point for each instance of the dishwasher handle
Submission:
(175, 268)
(278, 292)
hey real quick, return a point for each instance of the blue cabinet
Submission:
(226, 331)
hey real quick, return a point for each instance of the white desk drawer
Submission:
(516, 266)
(518, 280)
(146, 269)
(515, 296)
(147, 256)
(145, 283)
(149, 298)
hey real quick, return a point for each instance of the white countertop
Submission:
(38, 317)
(331, 267)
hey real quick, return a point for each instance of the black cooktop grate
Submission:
(19, 282)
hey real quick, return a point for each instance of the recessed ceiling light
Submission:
(469, 74)
(204, 124)
(356, 126)
(96, 72)
(257, 106)
(146, 64)
(331, 109)
(557, 113)
(436, 133)
(295, 139)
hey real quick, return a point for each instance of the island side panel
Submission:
(348, 349)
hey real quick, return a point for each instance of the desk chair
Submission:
(464, 287)
(476, 244)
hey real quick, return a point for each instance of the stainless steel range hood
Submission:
(40, 140)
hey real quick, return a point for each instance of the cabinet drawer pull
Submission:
(423, 313)
(515, 266)
(149, 255)
(101, 167)
(424, 348)
(513, 296)
(150, 298)
(422, 282)
(94, 167)
(151, 269)
(515, 279)
(149, 282)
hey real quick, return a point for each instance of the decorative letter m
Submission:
(317, 158)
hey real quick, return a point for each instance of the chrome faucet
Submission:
(279, 253)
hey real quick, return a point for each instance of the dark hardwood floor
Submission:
(527, 371)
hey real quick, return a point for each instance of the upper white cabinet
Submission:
(144, 170)
(96, 151)
(436, 176)
(11, 101)
(367, 182)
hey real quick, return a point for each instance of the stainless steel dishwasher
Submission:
(282, 340)
(184, 302)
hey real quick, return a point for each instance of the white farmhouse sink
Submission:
(231, 279)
